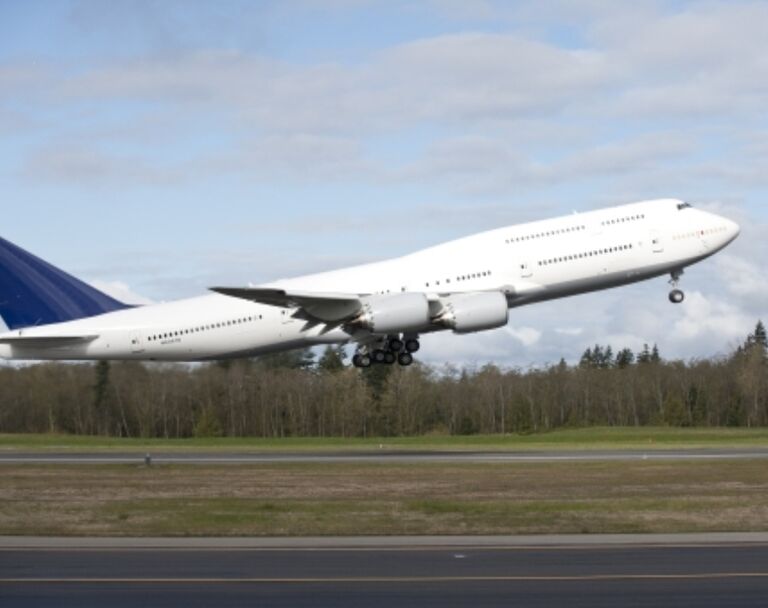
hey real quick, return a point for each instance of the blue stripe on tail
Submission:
(32, 292)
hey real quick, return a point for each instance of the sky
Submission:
(157, 147)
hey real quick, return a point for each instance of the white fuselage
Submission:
(528, 262)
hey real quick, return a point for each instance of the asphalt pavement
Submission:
(380, 456)
(683, 570)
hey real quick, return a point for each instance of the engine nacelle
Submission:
(395, 313)
(468, 312)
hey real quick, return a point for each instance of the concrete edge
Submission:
(383, 542)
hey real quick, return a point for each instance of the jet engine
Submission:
(468, 312)
(394, 313)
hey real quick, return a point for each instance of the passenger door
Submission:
(657, 243)
(137, 344)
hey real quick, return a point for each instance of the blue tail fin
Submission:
(32, 292)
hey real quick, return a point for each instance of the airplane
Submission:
(465, 285)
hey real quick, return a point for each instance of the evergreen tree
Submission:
(587, 359)
(302, 358)
(645, 355)
(760, 337)
(624, 358)
(655, 356)
(756, 339)
(332, 359)
(597, 356)
(607, 359)
(376, 377)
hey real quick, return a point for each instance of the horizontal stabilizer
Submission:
(325, 307)
(46, 341)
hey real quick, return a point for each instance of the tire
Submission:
(396, 345)
(412, 345)
(676, 296)
(378, 356)
(389, 358)
(405, 359)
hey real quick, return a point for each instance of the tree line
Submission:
(297, 394)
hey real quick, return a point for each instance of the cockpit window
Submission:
(683, 206)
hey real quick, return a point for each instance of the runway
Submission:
(381, 456)
(724, 570)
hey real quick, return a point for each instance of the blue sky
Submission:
(160, 147)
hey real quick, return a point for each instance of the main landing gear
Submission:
(676, 296)
(387, 352)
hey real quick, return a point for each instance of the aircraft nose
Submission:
(733, 229)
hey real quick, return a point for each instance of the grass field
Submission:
(589, 438)
(355, 499)
(389, 498)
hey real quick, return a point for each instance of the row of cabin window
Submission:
(619, 220)
(539, 235)
(466, 277)
(194, 330)
(579, 256)
(695, 233)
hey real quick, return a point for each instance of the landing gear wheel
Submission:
(396, 345)
(359, 360)
(405, 359)
(378, 356)
(676, 296)
(412, 345)
(389, 358)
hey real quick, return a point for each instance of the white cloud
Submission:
(80, 163)
(467, 76)
(629, 155)
(743, 278)
(570, 331)
(713, 318)
(120, 291)
(492, 96)
(302, 154)
(528, 336)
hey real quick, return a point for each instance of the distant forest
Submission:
(297, 394)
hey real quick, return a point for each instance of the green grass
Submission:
(312, 499)
(588, 438)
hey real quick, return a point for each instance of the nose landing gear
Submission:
(676, 296)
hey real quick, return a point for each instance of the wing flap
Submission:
(320, 306)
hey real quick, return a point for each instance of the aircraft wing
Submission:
(316, 306)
